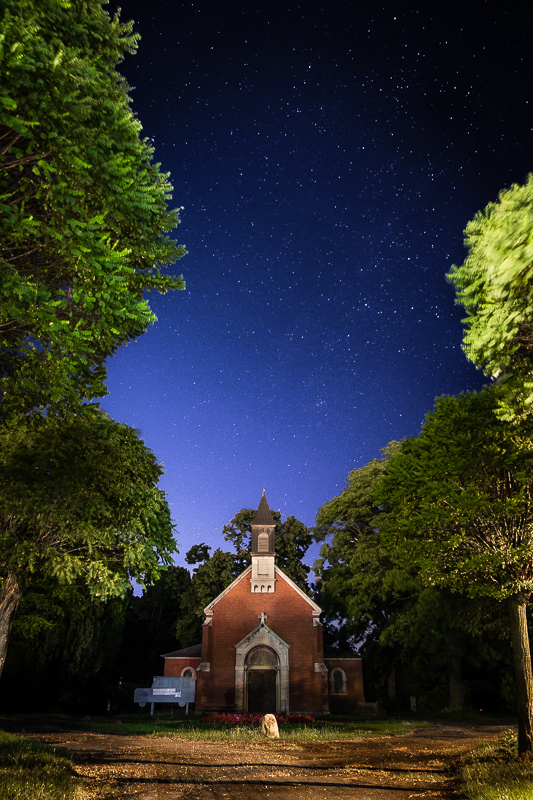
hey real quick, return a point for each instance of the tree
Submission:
(78, 502)
(459, 508)
(495, 285)
(150, 629)
(352, 569)
(63, 649)
(210, 577)
(379, 602)
(84, 222)
(370, 599)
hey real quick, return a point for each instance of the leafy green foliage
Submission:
(292, 541)
(79, 500)
(84, 222)
(495, 285)
(72, 651)
(63, 650)
(356, 506)
(375, 598)
(459, 499)
(459, 507)
(215, 572)
(210, 577)
(356, 575)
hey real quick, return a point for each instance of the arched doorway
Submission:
(262, 637)
(262, 682)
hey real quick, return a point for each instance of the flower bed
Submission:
(254, 719)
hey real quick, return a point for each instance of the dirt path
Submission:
(389, 768)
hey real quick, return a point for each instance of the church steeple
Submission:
(263, 528)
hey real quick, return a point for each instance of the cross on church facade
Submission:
(262, 616)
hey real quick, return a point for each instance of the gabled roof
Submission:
(264, 514)
(195, 651)
(208, 610)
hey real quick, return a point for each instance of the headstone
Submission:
(269, 726)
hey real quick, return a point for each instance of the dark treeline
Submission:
(72, 653)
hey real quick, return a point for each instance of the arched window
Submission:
(262, 658)
(188, 672)
(262, 543)
(337, 681)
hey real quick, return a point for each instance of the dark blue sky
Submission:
(328, 157)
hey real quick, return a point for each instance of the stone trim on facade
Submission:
(262, 635)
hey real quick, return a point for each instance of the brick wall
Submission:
(175, 666)
(290, 616)
(353, 669)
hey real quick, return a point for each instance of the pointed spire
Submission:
(264, 514)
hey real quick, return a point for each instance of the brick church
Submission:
(261, 647)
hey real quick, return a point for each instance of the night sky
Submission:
(328, 157)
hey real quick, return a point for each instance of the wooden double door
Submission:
(262, 691)
(262, 666)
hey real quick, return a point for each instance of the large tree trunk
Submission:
(10, 595)
(455, 678)
(523, 675)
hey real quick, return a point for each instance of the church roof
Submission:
(264, 514)
(195, 651)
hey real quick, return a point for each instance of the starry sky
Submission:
(328, 157)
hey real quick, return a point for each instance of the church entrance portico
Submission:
(262, 672)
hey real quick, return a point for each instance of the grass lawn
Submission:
(331, 729)
(31, 770)
(492, 771)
